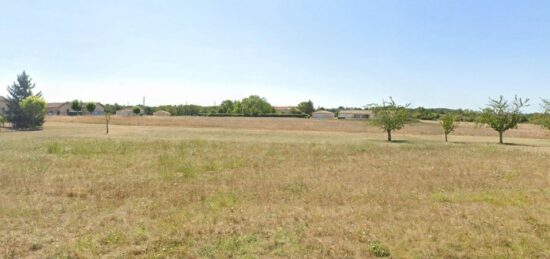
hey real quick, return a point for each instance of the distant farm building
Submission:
(355, 114)
(125, 113)
(322, 115)
(3, 106)
(65, 109)
(286, 110)
(161, 114)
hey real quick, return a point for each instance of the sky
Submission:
(438, 53)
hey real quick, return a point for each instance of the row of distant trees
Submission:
(250, 106)
(77, 106)
(500, 114)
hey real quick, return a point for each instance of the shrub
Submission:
(379, 250)
(34, 111)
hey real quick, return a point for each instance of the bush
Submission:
(34, 111)
(379, 250)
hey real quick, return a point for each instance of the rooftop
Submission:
(356, 111)
(322, 112)
(54, 105)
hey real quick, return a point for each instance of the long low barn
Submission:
(322, 115)
(355, 114)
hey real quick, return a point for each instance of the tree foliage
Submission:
(448, 124)
(136, 110)
(226, 107)
(17, 92)
(501, 115)
(390, 116)
(34, 109)
(255, 105)
(90, 107)
(76, 105)
(306, 107)
(544, 119)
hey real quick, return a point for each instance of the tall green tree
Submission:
(501, 115)
(306, 107)
(226, 106)
(17, 92)
(255, 105)
(90, 107)
(448, 124)
(76, 105)
(237, 107)
(34, 109)
(390, 116)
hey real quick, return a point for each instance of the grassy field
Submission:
(238, 187)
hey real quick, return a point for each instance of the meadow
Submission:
(196, 187)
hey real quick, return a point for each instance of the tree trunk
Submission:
(500, 135)
(445, 137)
(107, 126)
(389, 135)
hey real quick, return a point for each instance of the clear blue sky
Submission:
(428, 53)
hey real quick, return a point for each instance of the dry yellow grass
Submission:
(295, 124)
(234, 187)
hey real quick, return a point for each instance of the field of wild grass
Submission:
(177, 191)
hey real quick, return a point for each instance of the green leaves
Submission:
(501, 115)
(20, 90)
(34, 111)
(306, 107)
(76, 105)
(255, 105)
(544, 119)
(448, 123)
(391, 116)
(90, 107)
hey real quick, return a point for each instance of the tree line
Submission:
(500, 115)
(250, 106)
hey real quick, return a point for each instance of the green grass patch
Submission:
(499, 198)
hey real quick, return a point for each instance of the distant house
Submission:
(3, 106)
(58, 108)
(64, 109)
(161, 114)
(355, 114)
(125, 113)
(286, 110)
(322, 115)
(99, 109)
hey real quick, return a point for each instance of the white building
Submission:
(322, 115)
(125, 113)
(355, 114)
